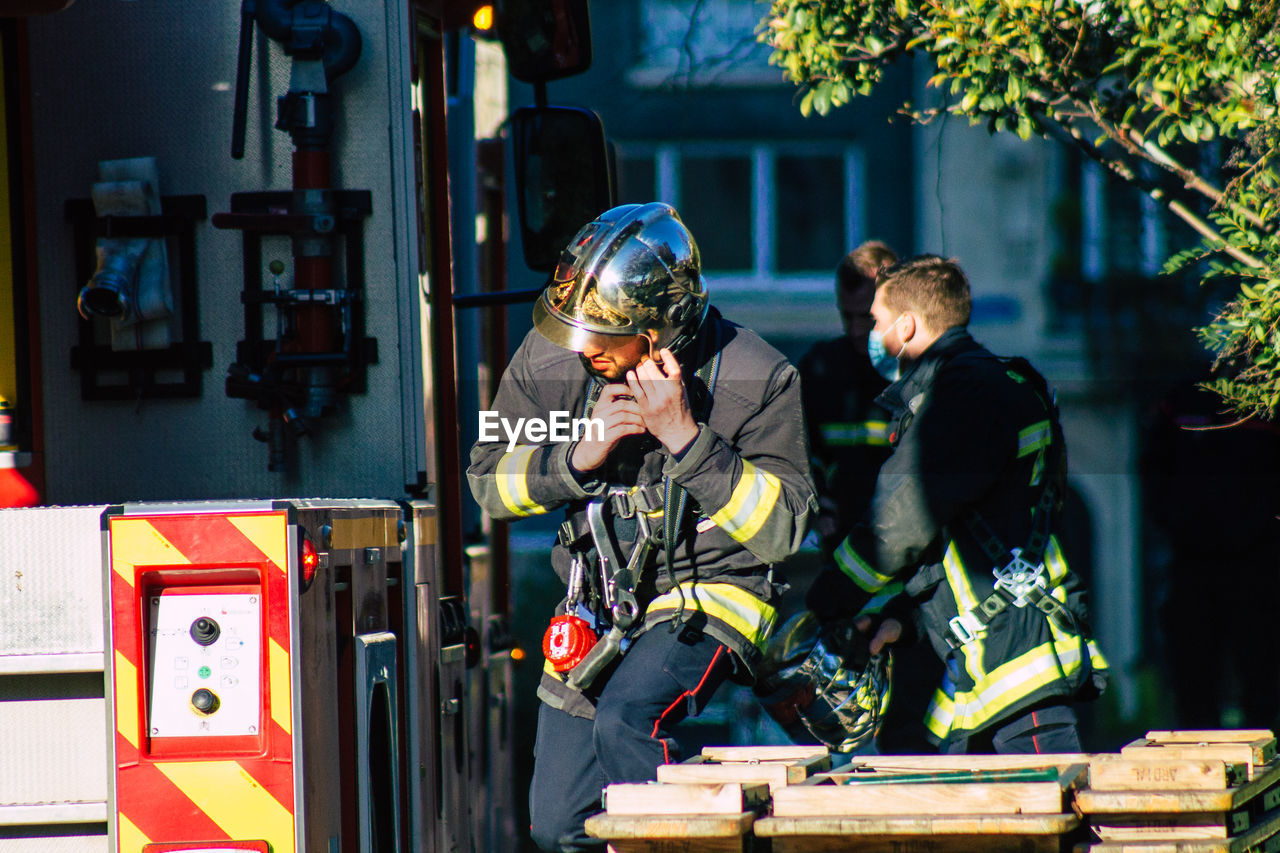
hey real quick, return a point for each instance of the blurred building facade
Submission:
(1063, 260)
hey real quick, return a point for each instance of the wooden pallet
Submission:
(776, 768)
(675, 833)
(1171, 791)
(658, 817)
(898, 803)
(1164, 774)
(1262, 837)
(1183, 787)
(1252, 747)
(1154, 814)
(1038, 833)
(966, 762)
(708, 803)
(842, 794)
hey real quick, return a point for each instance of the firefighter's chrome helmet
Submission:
(811, 690)
(632, 270)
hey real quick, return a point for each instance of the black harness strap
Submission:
(1020, 578)
(575, 534)
(675, 497)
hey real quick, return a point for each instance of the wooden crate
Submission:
(1262, 837)
(699, 798)
(843, 794)
(748, 764)
(658, 817)
(1213, 786)
(788, 752)
(1164, 774)
(1252, 747)
(967, 762)
(918, 833)
(674, 833)
(1136, 813)
(828, 813)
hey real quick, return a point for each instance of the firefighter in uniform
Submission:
(848, 442)
(963, 522)
(848, 432)
(698, 481)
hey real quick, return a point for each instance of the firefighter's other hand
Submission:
(663, 403)
(827, 523)
(621, 417)
(890, 631)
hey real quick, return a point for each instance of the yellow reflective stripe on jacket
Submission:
(855, 433)
(971, 710)
(749, 506)
(858, 570)
(1055, 562)
(1033, 438)
(732, 605)
(966, 602)
(513, 481)
(958, 579)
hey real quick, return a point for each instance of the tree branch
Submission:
(1126, 173)
(1191, 180)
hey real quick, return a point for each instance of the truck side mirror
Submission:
(545, 39)
(562, 178)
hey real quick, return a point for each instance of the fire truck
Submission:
(252, 290)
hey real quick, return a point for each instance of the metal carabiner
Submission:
(1020, 578)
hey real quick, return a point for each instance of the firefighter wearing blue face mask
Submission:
(886, 365)
(964, 524)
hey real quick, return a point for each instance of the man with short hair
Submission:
(964, 522)
(848, 432)
(697, 479)
(848, 442)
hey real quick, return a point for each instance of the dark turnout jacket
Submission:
(975, 436)
(848, 430)
(746, 477)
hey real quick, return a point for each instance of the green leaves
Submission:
(1167, 89)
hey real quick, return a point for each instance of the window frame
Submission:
(763, 277)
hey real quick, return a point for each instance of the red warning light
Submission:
(310, 560)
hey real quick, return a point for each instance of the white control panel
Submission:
(205, 654)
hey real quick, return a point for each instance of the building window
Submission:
(810, 210)
(715, 201)
(703, 43)
(762, 214)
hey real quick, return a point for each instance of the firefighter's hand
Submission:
(828, 521)
(664, 405)
(890, 631)
(617, 409)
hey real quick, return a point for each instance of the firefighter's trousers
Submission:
(1049, 727)
(661, 679)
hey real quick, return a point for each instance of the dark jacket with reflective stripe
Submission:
(746, 474)
(971, 432)
(848, 430)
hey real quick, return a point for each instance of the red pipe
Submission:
(315, 324)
